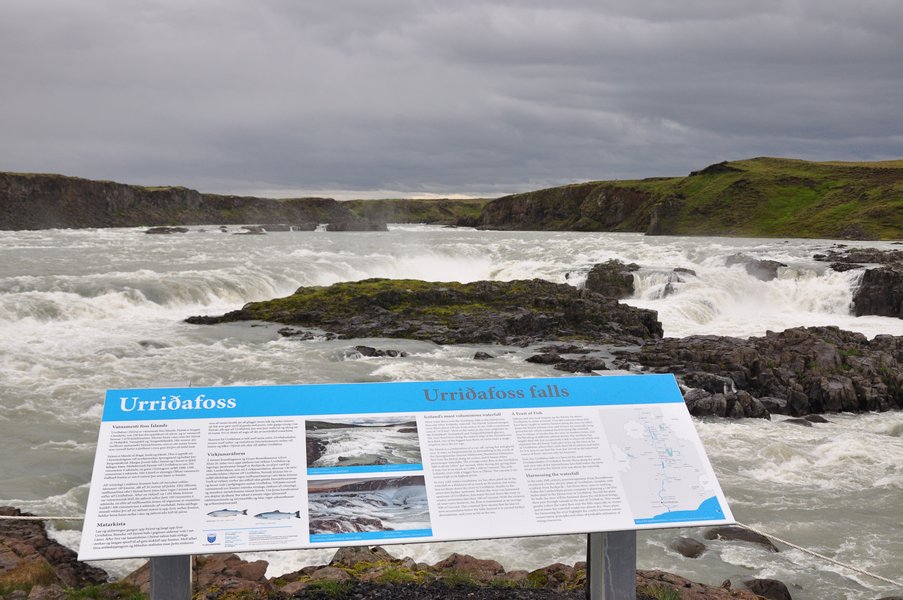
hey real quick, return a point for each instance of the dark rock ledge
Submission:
(880, 290)
(795, 372)
(504, 312)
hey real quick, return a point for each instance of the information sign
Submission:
(229, 469)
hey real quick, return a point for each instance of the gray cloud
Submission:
(418, 97)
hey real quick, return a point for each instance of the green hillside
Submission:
(414, 210)
(760, 197)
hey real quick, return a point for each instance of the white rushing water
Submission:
(82, 311)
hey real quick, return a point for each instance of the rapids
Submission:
(82, 311)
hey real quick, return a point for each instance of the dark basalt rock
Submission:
(482, 356)
(507, 312)
(612, 278)
(688, 547)
(733, 533)
(800, 422)
(581, 365)
(795, 372)
(166, 230)
(370, 351)
(769, 588)
(545, 359)
(880, 292)
(763, 270)
(816, 419)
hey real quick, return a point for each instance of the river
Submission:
(82, 311)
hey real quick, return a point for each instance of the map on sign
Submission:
(657, 454)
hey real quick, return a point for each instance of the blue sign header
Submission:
(391, 397)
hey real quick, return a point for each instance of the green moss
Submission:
(26, 575)
(458, 579)
(331, 589)
(661, 592)
(445, 211)
(107, 591)
(398, 575)
(537, 579)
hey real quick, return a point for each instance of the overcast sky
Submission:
(372, 97)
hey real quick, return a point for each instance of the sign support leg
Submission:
(611, 565)
(170, 578)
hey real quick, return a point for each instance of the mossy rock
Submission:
(508, 312)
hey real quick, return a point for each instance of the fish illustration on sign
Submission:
(276, 514)
(226, 512)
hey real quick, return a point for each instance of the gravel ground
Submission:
(441, 591)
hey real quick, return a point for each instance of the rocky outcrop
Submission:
(507, 312)
(761, 269)
(580, 207)
(29, 558)
(35, 201)
(880, 290)
(794, 372)
(612, 278)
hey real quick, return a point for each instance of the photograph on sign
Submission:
(382, 443)
(341, 509)
(231, 469)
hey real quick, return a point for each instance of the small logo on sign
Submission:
(211, 537)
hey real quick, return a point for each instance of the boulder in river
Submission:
(772, 589)
(763, 270)
(612, 278)
(731, 532)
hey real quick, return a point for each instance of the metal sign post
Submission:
(170, 578)
(611, 565)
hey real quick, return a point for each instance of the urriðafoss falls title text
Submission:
(495, 393)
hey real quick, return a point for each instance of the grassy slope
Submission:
(444, 211)
(769, 197)
(795, 198)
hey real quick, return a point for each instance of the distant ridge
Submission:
(43, 201)
(759, 197)
(49, 201)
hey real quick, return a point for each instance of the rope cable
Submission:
(821, 556)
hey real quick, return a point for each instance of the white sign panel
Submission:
(201, 470)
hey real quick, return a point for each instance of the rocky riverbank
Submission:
(34, 567)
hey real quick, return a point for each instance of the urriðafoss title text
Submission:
(495, 393)
(174, 403)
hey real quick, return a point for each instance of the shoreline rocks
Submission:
(33, 567)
